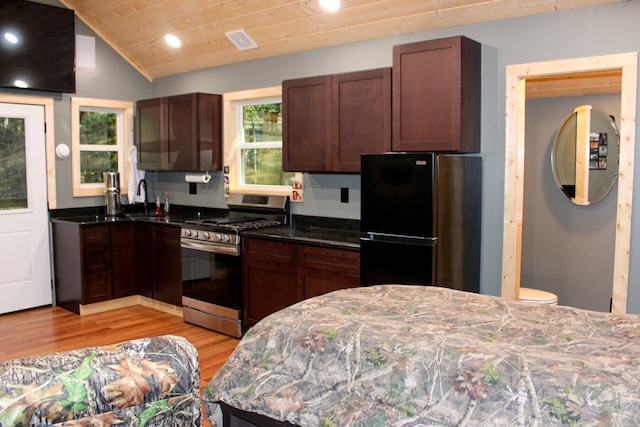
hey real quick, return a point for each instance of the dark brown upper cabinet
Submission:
(180, 133)
(436, 96)
(329, 121)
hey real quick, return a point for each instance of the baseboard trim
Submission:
(114, 304)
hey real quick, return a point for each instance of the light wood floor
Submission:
(52, 329)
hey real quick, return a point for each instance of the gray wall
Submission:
(113, 78)
(575, 33)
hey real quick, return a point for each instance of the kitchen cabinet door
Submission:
(67, 258)
(209, 131)
(361, 117)
(96, 264)
(436, 96)
(166, 264)
(269, 287)
(150, 132)
(144, 278)
(180, 133)
(269, 278)
(123, 260)
(306, 124)
(329, 121)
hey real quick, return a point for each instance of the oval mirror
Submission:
(584, 157)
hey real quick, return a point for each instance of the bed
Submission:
(394, 355)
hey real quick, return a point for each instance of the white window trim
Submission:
(233, 103)
(126, 129)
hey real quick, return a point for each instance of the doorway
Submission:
(24, 226)
(593, 75)
(566, 246)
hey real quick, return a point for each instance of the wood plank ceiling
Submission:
(136, 28)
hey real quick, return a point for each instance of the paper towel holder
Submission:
(198, 177)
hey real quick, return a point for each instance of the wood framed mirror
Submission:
(584, 155)
(572, 77)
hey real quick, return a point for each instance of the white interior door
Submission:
(25, 271)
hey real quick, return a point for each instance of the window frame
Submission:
(124, 109)
(233, 138)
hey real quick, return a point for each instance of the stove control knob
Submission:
(187, 233)
(206, 235)
(194, 233)
(226, 238)
(218, 237)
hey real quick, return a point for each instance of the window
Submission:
(253, 144)
(101, 137)
(13, 179)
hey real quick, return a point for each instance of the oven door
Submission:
(212, 290)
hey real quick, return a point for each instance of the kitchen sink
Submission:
(141, 216)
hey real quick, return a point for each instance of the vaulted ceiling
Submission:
(136, 28)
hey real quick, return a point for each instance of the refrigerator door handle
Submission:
(400, 239)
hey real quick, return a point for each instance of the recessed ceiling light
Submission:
(172, 41)
(330, 5)
(11, 38)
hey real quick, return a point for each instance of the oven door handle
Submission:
(232, 250)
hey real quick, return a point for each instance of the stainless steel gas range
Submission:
(211, 260)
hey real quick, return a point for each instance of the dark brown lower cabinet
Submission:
(269, 278)
(82, 264)
(166, 268)
(103, 261)
(279, 274)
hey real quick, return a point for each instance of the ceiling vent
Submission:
(241, 40)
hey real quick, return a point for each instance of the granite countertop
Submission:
(102, 219)
(315, 231)
(96, 215)
(325, 237)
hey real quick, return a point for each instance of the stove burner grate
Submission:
(235, 223)
(255, 224)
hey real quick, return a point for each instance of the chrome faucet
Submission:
(146, 192)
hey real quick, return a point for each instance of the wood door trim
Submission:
(517, 76)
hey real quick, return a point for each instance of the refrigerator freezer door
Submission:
(398, 193)
(397, 263)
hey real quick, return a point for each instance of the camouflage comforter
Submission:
(409, 355)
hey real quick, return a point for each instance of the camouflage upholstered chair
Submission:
(146, 382)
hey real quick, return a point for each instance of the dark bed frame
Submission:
(232, 417)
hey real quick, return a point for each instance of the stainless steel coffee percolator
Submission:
(112, 193)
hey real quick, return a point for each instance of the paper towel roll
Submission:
(202, 178)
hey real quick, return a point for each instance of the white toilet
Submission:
(537, 296)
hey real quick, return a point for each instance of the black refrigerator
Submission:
(420, 220)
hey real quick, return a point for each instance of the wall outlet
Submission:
(193, 188)
(344, 195)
